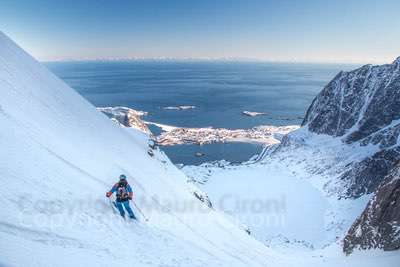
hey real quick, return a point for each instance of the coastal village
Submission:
(172, 135)
(261, 134)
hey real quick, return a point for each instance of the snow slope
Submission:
(58, 158)
(289, 199)
(292, 184)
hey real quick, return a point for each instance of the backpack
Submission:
(122, 192)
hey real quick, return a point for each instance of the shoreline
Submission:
(173, 135)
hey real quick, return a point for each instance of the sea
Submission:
(219, 90)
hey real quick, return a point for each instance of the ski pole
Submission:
(140, 211)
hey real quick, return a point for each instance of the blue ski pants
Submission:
(125, 204)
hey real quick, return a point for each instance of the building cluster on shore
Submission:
(260, 134)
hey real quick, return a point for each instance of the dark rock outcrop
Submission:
(126, 117)
(366, 176)
(379, 224)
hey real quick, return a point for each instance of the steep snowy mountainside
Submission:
(362, 106)
(59, 156)
(358, 104)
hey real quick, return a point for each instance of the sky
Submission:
(353, 31)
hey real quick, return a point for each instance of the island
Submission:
(179, 107)
(253, 113)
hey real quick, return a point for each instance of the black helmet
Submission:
(122, 177)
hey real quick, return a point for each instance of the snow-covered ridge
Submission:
(362, 106)
(351, 104)
(59, 156)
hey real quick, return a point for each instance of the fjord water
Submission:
(221, 91)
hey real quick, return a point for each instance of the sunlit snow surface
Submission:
(59, 156)
(289, 199)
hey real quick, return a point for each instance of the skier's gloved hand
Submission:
(130, 198)
(108, 194)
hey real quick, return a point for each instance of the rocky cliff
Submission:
(379, 224)
(362, 107)
(126, 117)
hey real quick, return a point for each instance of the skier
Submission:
(124, 194)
